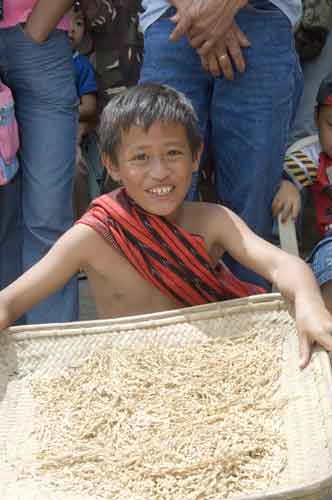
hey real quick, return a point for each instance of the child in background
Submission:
(86, 89)
(308, 164)
(144, 248)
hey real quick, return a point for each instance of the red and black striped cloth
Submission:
(174, 261)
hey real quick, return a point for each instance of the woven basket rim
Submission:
(252, 304)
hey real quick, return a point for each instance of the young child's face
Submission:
(76, 28)
(324, 124)
(155, 167)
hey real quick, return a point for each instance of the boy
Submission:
(144, 248)
(308, 164)
(86, 86)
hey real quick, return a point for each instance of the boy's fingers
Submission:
(276, 207)
(296, 209)
(305, 351)
(286, 211)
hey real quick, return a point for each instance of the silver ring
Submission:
(223, 56)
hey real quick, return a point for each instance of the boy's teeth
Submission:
(161, 190)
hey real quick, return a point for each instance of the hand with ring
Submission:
(227, 56)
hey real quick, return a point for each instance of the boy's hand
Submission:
(313, 326)
(287, 201)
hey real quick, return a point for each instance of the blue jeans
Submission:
(36, 208)
(247, 120)
(320, 261)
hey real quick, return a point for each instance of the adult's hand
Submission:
(204, 21)
(227, 56)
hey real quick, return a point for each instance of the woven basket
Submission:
(31, 352)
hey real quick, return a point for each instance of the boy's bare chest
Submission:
(120, 290)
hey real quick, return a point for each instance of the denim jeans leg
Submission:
(10, 210)
(177, 65)
(42, 80)
(251, 118)
(10, 232)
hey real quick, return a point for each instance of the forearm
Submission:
(87, 112)
(295, 281)
(6, 316)
(88, 108)
(45, 17)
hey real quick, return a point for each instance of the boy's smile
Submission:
(156, 166)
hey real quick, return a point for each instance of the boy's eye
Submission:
(140, 157)
(174, 152)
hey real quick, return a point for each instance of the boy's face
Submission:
(76, 28)
(324, 124)
(155, 167)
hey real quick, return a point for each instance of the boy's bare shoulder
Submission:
(207, 219)
(87, 243)
(205, 211)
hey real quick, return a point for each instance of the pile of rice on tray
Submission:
(210, 416)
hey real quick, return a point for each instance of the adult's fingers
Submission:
(201, 43)
(225, 65)
(183, 25)
(205, 63)
(235, 51)
(214, 66)
(205, 33)
(210, 64)
(244, 42)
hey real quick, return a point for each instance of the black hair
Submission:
(324, 94)
(143, 105)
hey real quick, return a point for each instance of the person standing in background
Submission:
(36, 207)
(236, 61)
(117, 42)
(313, 42)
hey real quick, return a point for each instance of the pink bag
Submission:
(9, 139)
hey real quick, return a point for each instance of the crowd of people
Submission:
(220, 84)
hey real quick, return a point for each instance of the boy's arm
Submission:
(88, 108)
(52, 272)
(44, 18)
(291, 275)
